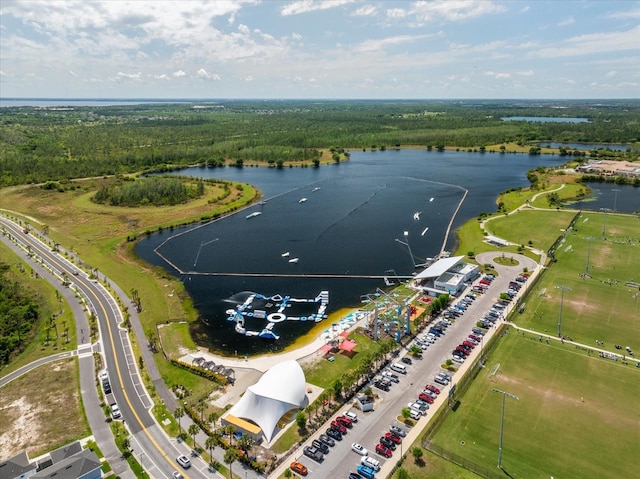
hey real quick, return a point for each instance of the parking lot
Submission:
(402, 389)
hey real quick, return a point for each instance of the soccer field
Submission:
(577, 414)
(576, 417)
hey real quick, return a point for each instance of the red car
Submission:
(383, 450)
(431, 387)
(425, 397)
(393, 437)
(467, 343)
(345, 421)
(339, 426)
(473, 336)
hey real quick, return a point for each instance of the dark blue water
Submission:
(586, 146)
(545, 119)
(604, 195)
(354, 213)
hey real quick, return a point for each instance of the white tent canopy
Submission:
(279, 390)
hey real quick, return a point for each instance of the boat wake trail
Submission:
(350, 213)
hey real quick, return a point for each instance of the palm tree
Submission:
(211, 443)
(178, 413)
(213, 418)
(201, 407)
(230, 456)
(230, 431)
(193, 432)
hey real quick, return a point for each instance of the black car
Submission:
(313, 453)
(406, 360)
(385, 441)
(320, 446)
(327, 440)
(353, 475)
(381, 385)
(334, 434)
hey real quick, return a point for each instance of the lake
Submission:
(348, 228)
(545, 119)
(586, 146)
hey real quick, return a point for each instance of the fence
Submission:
(478, 469)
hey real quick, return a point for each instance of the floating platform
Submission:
(274, 312)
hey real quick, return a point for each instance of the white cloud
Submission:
(179, 74)
(526, 73)
(570, 82)
(454, 10)
(127, 76)
(163, 76)
(72, 73)
(498, 75)
(592, 43)
(631, 14)
(611, 74)
(566, 22)
(365, 11)
(379, 44)
(305, 6)
(204, 74)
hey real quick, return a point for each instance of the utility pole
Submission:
(562, 290)
(504, 395)
(589, 239)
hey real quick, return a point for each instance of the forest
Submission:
(19, 313)
(40, 144)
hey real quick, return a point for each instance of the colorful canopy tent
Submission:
(348, 345)
(280, 390)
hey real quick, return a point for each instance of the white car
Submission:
(115, 411)
(457, 359)
(183, 461)
(104, 376)
(352, 415)
(359, 449)
(177, 475)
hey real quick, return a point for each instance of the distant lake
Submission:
(349, 225)
(545, 119)
(603, 195)
(586, 146)
(73, 102)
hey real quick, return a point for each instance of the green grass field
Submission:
(542, 228)
(601, 307)
(576, 415)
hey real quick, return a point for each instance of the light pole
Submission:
(562, 290)
(504, 395)
(615, 198)
(406, 243)
(586, 270)
(604, 222)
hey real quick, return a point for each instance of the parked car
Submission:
(354, 475)
(383, 450)
(320, 446)
(327, 440)
(366, 472)
(406, 360)
(177, 475)
(394, 437)
(344, 420)
(359, 449)
(440, 380)
(370, 462)
(458, 359)
(184, 461)
(398, 431)
(353, 416)
(333, 433)
(425, 397)
(313, 453)
(432, 388)
(299, 468)
(388, 443)
(339, 426)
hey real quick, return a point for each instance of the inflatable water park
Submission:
(274, 309)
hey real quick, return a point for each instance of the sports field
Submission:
(602, 306)
(576, 417)
(577, 413)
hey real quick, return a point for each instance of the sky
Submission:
(325, 49)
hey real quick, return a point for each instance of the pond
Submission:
(545, 119)
(362, 220)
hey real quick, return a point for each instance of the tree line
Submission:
(19, 313)
(38, 145)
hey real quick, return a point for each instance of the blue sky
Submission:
(320, 49)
